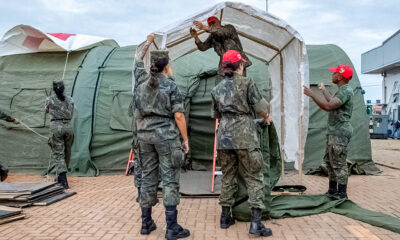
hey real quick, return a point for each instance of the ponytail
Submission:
(229, 68)
(156, 68)
(58, 88)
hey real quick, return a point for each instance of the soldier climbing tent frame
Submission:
(272, 41)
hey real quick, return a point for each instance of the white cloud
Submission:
(65, 6)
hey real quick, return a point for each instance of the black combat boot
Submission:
(3, 173)
(226, 217)
(62, 179)
(258, 229)
(342, 191)
(332, 188)
(148, 224)
(174, 230)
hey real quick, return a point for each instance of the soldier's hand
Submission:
(321, 86)
(199, 25)
(268, 120)
(186, 146)
(16, 121)
(150, 38)
(193, 32)
(307, 91)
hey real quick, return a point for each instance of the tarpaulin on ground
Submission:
(283, 206)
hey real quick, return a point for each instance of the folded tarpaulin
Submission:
(26, 39)
(283, 206)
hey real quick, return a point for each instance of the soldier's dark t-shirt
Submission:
(60, 109)
(155, 110)
(222, 40)
(339, 119)
(234, 102)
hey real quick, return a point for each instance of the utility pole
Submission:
(266, 5)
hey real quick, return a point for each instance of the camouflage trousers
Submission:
(61, 139)
(247, 162)
(335, 158)
(137, 166)
(165, 159)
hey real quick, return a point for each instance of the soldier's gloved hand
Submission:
(186, 146)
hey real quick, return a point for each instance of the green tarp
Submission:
(283, 206)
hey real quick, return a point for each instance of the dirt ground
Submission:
(105, 208)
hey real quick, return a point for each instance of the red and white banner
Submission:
(26, 39)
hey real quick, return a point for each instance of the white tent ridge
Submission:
(268, 39)
(26, 39)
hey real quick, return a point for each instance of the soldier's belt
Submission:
(60, 119)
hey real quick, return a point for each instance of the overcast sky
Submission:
(356, 26)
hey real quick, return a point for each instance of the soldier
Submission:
(61, 109)
(160, 119)
(221, 38)
(339, 108)
(5, 117)
(235, 99)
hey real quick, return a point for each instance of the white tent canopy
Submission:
(268, 39)
(26, 39)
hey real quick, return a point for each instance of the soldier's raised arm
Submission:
(139, 70)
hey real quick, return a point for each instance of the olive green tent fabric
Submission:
(283, 206)
(99, 81)
(112, 136)
(25, 82)
(85, 89)
(321, 58)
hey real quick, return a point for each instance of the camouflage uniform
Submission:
(4, 171)
(62, 133)
(159, 142)
(222, 40)
(235, 100)
(338, 136)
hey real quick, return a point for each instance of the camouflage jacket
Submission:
(60, 109)
(5, 117)
(155, 108)
(222, 40)
(235, 100)
(339, 119)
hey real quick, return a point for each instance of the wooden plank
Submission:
(11, 219)
(54, 199)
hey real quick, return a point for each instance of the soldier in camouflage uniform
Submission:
(235, 100)
(61, 109)
(221, 38)
(160, 121)
(340, 108)
(3, 170)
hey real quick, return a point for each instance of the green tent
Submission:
(321, 58)
(99, 80)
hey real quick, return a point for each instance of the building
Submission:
(385, 60)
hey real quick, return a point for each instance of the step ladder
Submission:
(130, 162)
(216, 171)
